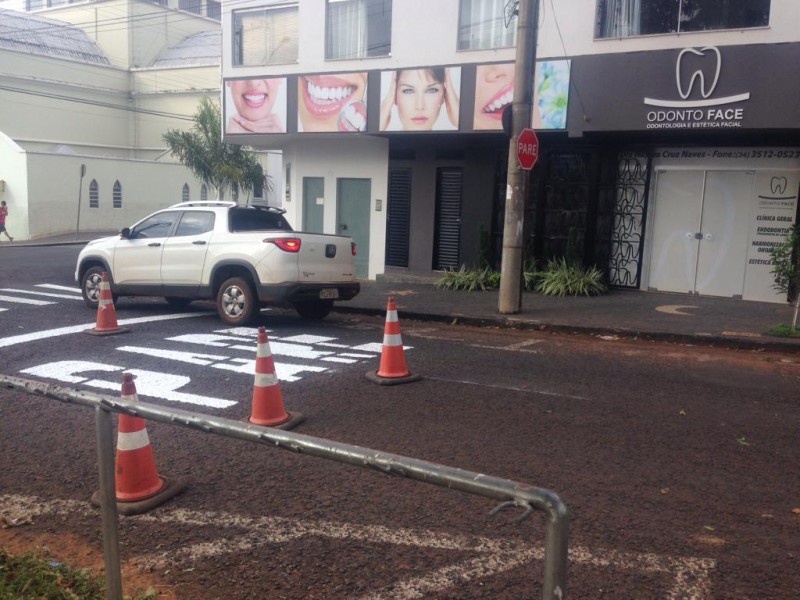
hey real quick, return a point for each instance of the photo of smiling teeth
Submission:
(500, 102)
(254, 98)
(327, 94)
(352, 117)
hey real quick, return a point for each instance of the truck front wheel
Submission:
(236, 302)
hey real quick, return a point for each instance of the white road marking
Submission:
(53, 286)
(291, 350)
(506, 387)
(193, 358)
(374, 347)
(51, 333)
(24, 301)
(286, 372)
(35, 293)
(308, 339)
(165, 386)
(691, 576)
(207, 339)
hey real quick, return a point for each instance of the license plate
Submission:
(329, 293)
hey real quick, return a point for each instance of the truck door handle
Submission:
(199, 242)
(154, 244)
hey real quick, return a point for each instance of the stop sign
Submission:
(527, 149)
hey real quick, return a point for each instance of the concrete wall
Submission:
(14, 174)
(426, 33)
(331, 159)
(146, 187)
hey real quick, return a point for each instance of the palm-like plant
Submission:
(786, 268)
(217, 164)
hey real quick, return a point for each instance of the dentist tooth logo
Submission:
(778, 185)
(698, 74)
(705, 82)
(695, 105)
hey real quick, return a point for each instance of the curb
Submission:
(633, 334)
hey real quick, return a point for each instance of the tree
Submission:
(217, 164)
(786, 268)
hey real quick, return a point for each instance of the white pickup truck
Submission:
(242, 257)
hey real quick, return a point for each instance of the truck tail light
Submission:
(353, 248)
(285, 244)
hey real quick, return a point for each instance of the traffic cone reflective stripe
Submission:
(268, 409)
(393, 360)
(137, 485)
(135, 467)
(392, 368)
(106, 323)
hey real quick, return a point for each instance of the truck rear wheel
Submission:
(236, 302)
(313, 310)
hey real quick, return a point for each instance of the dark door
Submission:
(447, 235)
(398, 216)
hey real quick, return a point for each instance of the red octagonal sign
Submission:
(527, 149)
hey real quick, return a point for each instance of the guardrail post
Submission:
(108, 503)
(556, 554)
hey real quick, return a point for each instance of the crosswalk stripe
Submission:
(64, 288)
(40, 293)
(25, 300)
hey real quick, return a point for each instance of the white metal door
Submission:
(700, 231)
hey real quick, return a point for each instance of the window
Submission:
(157, 226)
(185, 193)
(204, 192)
(358, 28)
(190, 6)
(117, 197)
(482, 25)
(94, 194)
(625, 18)
(214, 10)
(195, 222)
(266, 36)
(250, 219)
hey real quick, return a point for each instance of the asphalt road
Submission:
(678, 464)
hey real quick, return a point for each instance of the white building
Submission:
(669, 132)
(86, 92)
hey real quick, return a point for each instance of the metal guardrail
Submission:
(510, 493)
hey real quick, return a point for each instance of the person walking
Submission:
(3, 215)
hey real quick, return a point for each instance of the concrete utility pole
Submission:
(517, 183)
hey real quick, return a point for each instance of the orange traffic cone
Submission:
(106, 315)
(392, 369)
(268, 407)
(138, 488)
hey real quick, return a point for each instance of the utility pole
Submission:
(510, 299)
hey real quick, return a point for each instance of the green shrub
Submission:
(529, 275)
(468, 279)
(561, 278)
(32, 575)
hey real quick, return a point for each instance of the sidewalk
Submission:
(625, 313)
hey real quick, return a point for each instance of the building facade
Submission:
(669, 131)
(87, 89)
